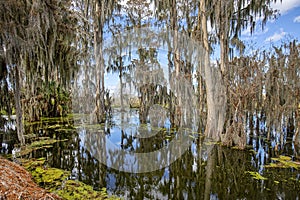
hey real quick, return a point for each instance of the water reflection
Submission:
(8, 134)
(205, 171)
(138, 148)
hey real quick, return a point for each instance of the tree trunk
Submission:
(121, 81)
(174, 26)
(215, 90)
(98, 39)
(121, 91)
(20, 129)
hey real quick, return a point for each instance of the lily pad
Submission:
(256, 175)
(212, 143)
(283, 162)
(283, 158)
(65, 130)
(30, 136)
(56, 126)
(191, 136)
(27, 123)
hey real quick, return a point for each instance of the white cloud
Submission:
(276, 37)
(285, 5)
(246, 32)
(297, 19)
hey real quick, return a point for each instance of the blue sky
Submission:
(285, 28)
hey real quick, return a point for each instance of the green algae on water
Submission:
(56, 181)
(42, 143)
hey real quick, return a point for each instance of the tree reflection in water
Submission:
(205, 171)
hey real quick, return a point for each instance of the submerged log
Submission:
(17, 183)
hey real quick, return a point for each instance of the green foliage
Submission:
(58, 100)
(51, 100)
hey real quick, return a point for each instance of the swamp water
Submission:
(205, 171)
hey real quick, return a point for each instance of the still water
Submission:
(205, 171)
